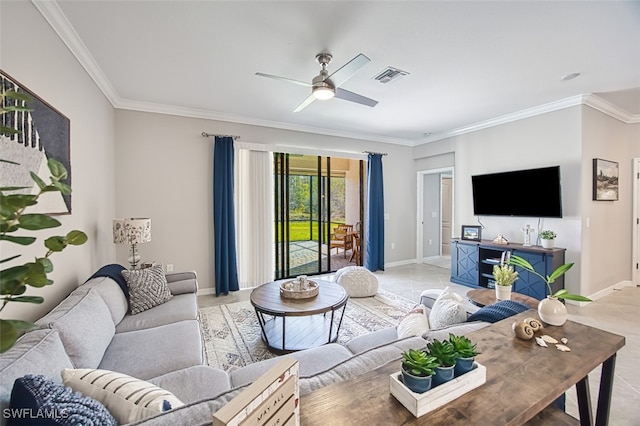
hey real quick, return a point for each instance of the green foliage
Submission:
(504, 274)
(419, 363)
(548, 235)
(13, 219)
(549, 279)
(443, 351)
(462, 346)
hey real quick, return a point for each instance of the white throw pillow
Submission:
(128, 399)
(448, 309)
(415, 323)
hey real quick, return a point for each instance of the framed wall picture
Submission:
(605, 180)
(44, 133)
(471, 232)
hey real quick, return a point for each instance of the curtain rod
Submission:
(371, 152)
(206, 135)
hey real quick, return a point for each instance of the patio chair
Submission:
(341, 238)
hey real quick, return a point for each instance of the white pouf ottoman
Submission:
(357, 281)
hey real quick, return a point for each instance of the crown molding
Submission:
(212, 115)
(606, 107)
(58, 21)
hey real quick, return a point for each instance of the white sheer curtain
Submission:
(254, 217)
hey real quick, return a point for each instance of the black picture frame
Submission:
(44, 132)
(471, 233)
(605, 180)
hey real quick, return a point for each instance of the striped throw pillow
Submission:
(128, 399)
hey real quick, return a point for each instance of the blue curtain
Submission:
(374, 230)
(224, 228)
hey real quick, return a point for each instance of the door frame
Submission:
(635, 250)
(420, 207)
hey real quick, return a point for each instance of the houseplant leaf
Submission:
(35, 222)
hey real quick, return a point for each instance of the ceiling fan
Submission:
(325, 86)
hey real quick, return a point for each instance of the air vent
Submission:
(390, 74)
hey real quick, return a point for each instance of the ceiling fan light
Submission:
(323, 92)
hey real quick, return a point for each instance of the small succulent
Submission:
(547, 235)
(443, 351)
(419, 363)
(463, 347)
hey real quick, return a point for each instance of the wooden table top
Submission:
(267, 299)
(523, 376)
(484, 297)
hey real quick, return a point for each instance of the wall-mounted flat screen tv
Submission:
(527, 193)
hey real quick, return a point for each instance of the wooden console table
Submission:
(523, 380)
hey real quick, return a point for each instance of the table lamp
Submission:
(133, 231)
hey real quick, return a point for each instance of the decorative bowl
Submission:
(293, 290)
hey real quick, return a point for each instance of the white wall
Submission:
(34, 55)
(164, 171)
(570, 138)
(431, 190)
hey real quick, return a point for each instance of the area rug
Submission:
(232, 336)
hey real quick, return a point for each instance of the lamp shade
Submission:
(133, 230)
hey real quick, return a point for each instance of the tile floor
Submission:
(618, 313)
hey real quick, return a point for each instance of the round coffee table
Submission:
(290, 325)
(484, 297)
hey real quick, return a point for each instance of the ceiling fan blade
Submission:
(348, 70)
(289, 80)
(354, 97)
(305, 103)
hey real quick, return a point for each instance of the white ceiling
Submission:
(469, 62)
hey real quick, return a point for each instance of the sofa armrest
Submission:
(182, 282)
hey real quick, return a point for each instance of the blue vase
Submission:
(443, 374)
(417, 384)
(463, 365)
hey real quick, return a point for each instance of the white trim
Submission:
(52, 13)
(205, 291)
(420, 206)
(400, 263)
(604, 292)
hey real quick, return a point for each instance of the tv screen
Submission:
(528, 193)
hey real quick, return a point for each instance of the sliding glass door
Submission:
(316, 198)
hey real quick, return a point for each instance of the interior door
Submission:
(447, 214)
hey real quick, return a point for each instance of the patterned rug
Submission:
(233, 338)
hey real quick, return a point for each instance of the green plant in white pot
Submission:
(504, 276)
(551, 310)
(547, 238)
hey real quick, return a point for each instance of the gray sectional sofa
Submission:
(163, 345)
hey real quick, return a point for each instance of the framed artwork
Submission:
(605, 180)
(44, 132)
(471, 232)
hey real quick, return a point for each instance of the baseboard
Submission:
(604, 292)
(206, 291)
(400, 263)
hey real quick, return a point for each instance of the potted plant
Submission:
(504, 275)
(443, 351)
(551, 310)
(15, 219)
(465, 353)
(548, 238)
(418, 368)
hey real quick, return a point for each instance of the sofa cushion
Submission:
(38, 352)
(499, 311)
(312, 361)
(147, 288)
(457, 329)
(155, 351)
(127, 398)
(194, 383)
(85, 326)
(414, 323)
(112, 295)
(372, 340)
(179, 308)
(448, 309)
(36, 394)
